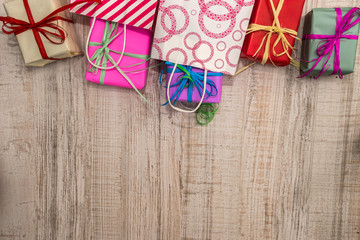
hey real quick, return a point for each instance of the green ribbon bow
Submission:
(102, 55)
(206, 113)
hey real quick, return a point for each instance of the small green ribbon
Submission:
(206, 113)
(102, 55)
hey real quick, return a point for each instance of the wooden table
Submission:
(281, 160)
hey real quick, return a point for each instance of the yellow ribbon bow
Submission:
(274, 29)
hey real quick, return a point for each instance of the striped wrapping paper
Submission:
(137, 13)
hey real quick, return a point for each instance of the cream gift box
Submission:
(28, 45)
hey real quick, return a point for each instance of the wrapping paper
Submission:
(323, 21)
(203, 34)
(26, 40)
(138, 41)
(196, 97)
(137, 13)
(289, 17)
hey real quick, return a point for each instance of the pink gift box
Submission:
(196, 97)
(138, 41)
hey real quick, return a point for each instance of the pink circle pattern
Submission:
(167, 12)
(187, 36)
(228, 55)
(177, 50)
(158, 49)
(205, 11)
(243, 24)
(197, 46)
(234, 37)
(173, 31)
(219, 48)
(192, 63)
(221, 62)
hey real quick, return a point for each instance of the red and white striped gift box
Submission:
(137, 13)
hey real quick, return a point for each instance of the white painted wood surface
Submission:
(281, 160)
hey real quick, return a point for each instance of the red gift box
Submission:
(289, 17)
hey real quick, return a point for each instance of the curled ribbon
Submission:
(275, 28)
(190, 79)
(102, 56)
(17, 26)
(331, 43)
(206, 113)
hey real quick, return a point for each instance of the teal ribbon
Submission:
(191, 80)
(102, 56)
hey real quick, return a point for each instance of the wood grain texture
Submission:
(281, 160)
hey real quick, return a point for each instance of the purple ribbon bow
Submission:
(331, 43)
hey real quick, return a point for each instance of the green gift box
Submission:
(324, 21)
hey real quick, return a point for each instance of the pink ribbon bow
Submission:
(331, 43)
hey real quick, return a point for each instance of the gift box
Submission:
(206, 35)
(137, 13)
(134, 62)
(29, 45)
(321, 26)
(187, 84)
(254, 47)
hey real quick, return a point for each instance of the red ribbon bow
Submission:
(16, 26)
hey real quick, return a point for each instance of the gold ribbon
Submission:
(274, 29)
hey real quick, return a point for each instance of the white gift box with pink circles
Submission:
(202, 33)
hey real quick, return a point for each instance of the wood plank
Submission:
(281, 160)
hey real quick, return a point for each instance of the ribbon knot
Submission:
(331, 43)
(190, 79)
(102, 54)
(105, 42)
(102, 57)
(274, 29)
(57, 34)
(338, 35)
(325, 48)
